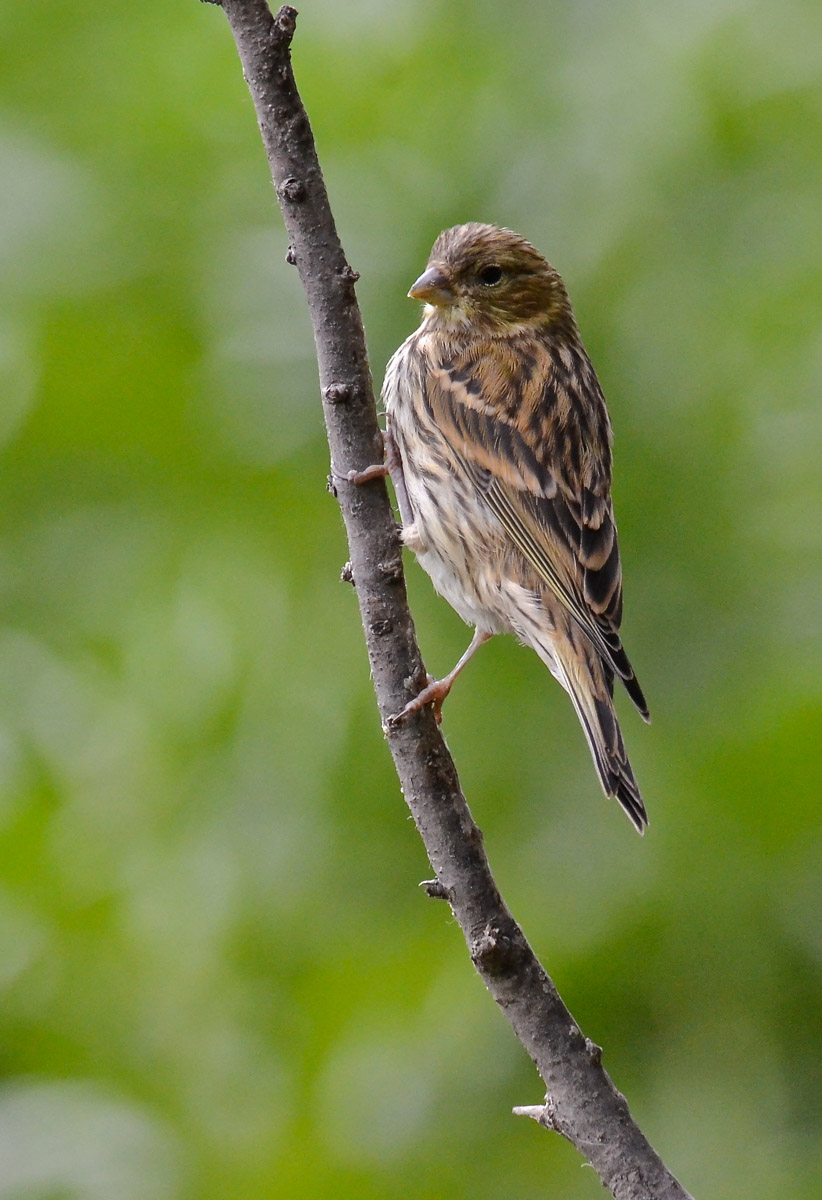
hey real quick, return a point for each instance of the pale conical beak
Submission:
(433, 287)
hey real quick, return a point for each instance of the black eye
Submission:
(490, 275)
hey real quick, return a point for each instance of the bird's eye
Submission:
(490, 276)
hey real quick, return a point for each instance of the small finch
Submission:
(499, 445)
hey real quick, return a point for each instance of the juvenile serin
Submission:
(499, 444)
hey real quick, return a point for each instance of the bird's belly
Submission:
(458, 542)
(455, 536)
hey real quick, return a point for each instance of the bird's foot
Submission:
(375, 471)
(409, 532)
(434, 694)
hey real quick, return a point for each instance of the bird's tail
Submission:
(590, 684)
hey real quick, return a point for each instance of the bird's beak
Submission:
(434, 287)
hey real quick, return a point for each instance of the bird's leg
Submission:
(438, 689)
(394, 464)
(393, 468)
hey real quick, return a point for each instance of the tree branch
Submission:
(581, 1102)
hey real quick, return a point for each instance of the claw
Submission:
(438, 689)
(434, 694)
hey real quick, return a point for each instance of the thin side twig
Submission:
(581, 1103)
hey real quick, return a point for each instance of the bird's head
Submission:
(491, 280)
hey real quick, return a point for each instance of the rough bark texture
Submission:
(581, 1101)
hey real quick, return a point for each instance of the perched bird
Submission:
(499, 445)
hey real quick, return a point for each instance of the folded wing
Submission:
(548, 490)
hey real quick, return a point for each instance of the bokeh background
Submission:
(218, 978)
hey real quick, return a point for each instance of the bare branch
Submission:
(582, 1103)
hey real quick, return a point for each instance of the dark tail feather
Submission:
(590, 683)
(599, 721)
(625, 672)
(608, 749)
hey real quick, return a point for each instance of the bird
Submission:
(499, 446)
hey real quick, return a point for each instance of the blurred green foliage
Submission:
(218, 976)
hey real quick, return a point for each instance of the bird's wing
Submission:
(549, 491)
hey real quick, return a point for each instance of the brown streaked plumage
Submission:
(502, 460)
